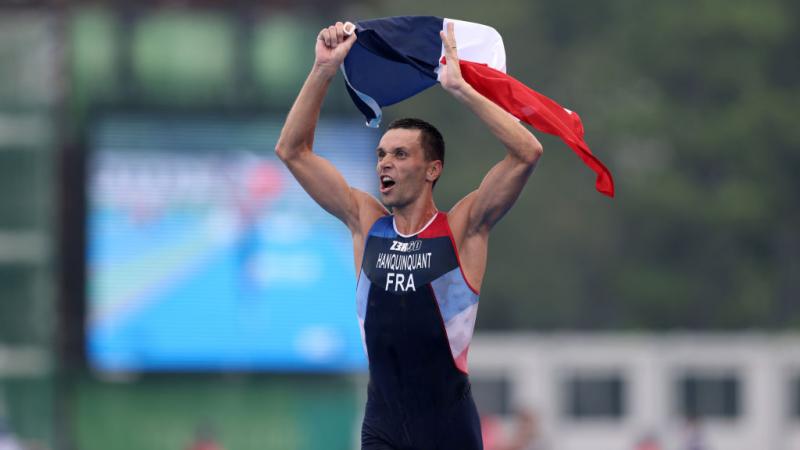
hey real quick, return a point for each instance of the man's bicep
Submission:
(326, 185)
(500, 188)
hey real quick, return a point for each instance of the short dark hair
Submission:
(430, 138)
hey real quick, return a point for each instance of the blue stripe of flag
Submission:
(393, 59)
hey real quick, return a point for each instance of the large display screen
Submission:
(204, 254)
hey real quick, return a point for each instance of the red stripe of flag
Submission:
(538, 111)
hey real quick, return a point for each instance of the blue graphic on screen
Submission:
(205, 254)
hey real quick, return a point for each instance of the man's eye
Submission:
(401, 154)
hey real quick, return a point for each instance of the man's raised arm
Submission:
(316, 174)
(501, 187)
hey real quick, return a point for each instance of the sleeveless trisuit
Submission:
(417, 313)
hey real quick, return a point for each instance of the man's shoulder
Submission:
(369, 210)
(458, 215)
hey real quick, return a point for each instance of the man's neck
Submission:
(412, 218)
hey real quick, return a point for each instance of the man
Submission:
(419, 270)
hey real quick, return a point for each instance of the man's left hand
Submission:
(450, 74)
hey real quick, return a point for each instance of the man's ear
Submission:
(434, 170)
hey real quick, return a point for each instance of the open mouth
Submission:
(386, 183)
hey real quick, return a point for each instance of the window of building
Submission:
(710, 396)
(595, 396)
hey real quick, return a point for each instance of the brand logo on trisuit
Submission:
(406, 246)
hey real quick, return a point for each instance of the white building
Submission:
(605, 391)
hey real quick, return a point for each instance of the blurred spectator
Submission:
(204, 439)
(525, 434)
(491, 431)
(648, 442)
(7, 439)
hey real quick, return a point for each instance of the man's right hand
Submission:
(333, 44)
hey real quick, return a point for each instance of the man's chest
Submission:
(401, 265)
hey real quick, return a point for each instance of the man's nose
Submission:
(386, 161)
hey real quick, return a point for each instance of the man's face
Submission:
(401, 167)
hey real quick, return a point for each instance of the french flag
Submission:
(395, 58)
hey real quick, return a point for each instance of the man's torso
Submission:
(416, 310)
(417, 314)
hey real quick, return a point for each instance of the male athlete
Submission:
(419, 269)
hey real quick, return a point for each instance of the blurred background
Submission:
(165, 284)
